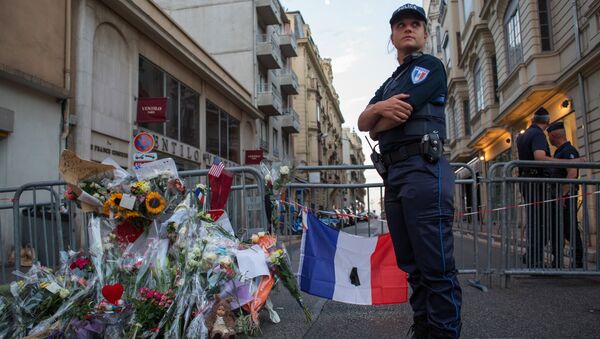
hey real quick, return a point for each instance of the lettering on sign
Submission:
(174, 147)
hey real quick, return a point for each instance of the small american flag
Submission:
(216, 168)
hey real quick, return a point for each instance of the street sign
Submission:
(146, 157)
(143, 142)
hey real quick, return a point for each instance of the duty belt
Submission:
(401, 154)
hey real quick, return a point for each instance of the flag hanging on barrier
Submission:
(348, 268)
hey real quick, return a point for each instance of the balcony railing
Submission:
(269, 99)
(290, 121)
(288, 44)
(288, 81)
(267, 50)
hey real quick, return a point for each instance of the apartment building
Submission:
(319, 140)
(353, 155)
(507, 58)
(255, 42)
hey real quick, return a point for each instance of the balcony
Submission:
(288, 82)
(269, 99)
(268, 12)
(290, 121)
(267, 50)
(288, 45)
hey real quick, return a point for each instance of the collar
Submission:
(536, 126)
(406, 61)
(563, 146)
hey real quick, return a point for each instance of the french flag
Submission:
(348, 268)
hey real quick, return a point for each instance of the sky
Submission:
(355, 35)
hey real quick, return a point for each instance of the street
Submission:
(548, 307)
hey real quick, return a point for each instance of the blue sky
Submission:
(355, 35)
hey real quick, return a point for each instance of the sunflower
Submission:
(155, 203)
(106, 208)
(115, 200)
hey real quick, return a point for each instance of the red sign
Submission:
(254, 157)
(143, 142)
(152, 110)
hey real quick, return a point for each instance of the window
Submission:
(455, 112)
(275, 143)
(286, 145)
(495, 79)
(545, 36)
(183, 104)
(512, 32)
(264, 138)
(466, 117)
(222, 133)
(447, 52)
(478, 84)
(438, 39)
(467, 8)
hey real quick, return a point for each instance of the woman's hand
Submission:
(396, 108)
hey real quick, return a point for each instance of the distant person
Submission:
(532, 145)
(567, 203)
(407, 117)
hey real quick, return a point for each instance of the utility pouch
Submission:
(377, 160)
(432, 147)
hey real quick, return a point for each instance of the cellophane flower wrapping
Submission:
(153, 268)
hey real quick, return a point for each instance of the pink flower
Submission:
(79, 263)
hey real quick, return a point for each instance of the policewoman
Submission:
(406, 115)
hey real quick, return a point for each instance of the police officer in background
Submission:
(532, 145)
(565, 208)
(406, 115)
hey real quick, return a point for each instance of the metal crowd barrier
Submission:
(37, 219)
(540, 214)
(466, 227)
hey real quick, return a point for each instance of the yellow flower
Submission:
(155, 203)
(115, 200)
(142, 186)
(132, 214)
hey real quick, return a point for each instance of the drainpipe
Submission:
(66, 104)
(586, 137)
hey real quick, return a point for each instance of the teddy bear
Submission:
(220, 321)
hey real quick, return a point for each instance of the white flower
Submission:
(254, 238)
(268, 178)
(210, 257)
(193, 263)
(284, 170)
(201, 187)
(63, 293)
(261, 234)
(226, 260)
(196, 251)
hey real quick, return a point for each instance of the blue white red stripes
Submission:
(348, 268)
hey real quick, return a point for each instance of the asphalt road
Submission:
(533, 307)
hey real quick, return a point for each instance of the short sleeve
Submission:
(539, 143)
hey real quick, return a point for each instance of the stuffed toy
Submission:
(220, 321)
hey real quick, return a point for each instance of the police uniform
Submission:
(419, 193)
(568, 206)
(534, 139)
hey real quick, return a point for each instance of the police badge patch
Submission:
(419, 74)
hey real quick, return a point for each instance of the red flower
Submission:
(127, 233)
(79, 263)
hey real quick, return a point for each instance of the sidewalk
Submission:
(532, 308)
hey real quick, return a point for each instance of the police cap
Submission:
(408, 9)
(555, 126)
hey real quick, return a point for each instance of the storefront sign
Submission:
(152, 110)
(175, 148)
(254, 157)
(103, 146)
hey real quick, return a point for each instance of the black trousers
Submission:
(565, 226)
(419, 207)
(538, 214)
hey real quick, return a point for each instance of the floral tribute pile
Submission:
(155, 267)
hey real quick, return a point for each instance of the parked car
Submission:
(363, 216)
(330, 219)
(351, 217)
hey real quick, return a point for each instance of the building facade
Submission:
(255, 42)
(507, 58)
(353, 155)
(319, 140)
